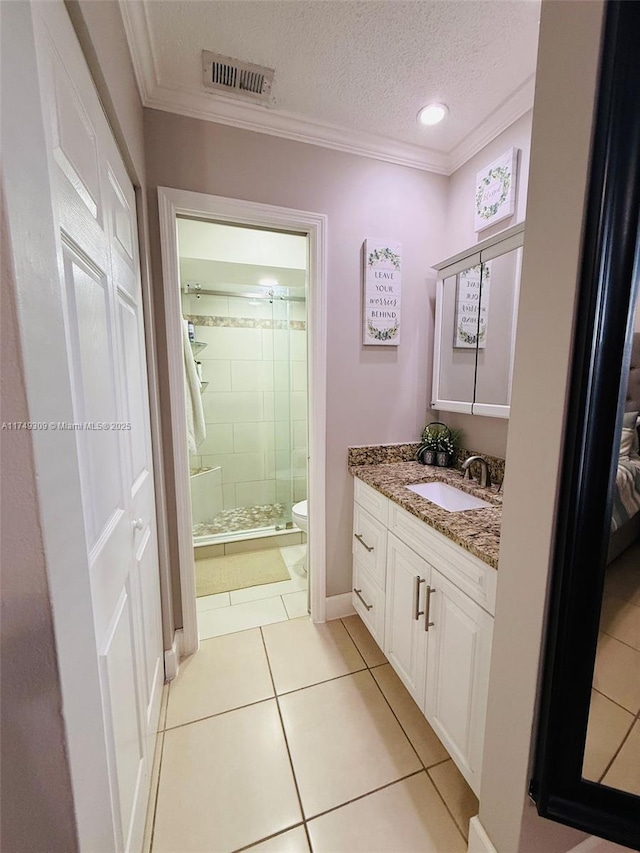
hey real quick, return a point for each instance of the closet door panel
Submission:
(94, 209)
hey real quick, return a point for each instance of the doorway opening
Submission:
(243, 302)
(244, 290)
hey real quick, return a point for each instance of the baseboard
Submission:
(339, 606)
(479, 841)
(172, 656)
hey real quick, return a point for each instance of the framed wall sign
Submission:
(382, 293)
(496, 187)
(472, 307)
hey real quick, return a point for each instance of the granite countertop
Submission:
(476, 530)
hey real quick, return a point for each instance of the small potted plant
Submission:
(438, 445)
(428, 448)
(445, 449)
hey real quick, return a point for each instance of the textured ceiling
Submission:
(363, 66)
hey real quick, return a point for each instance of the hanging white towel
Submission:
(196, 428)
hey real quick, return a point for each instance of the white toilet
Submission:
(299, 517)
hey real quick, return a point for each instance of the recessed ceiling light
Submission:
(268, 282)
(432, 113)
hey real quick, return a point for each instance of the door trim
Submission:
(174, 202)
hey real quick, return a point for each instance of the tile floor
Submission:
(255, 606)
(294, 737)
(613, 738)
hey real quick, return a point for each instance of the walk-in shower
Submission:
(244, 296)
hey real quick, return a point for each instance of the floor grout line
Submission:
(324, 681)
(353, 640)
(624, 642)
(266, 698)
(365, 795)
(424, 766)
(286, 741)
(446, 805)
(252, 628)
(606, 696)
(395, 716)
(269, 837)
(618, 750)
(219, 714)
(157, 796)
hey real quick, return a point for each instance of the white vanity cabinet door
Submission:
(459, 656)
(405, 642)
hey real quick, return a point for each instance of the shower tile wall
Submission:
(247, 363)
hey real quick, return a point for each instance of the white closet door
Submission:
(94, 203)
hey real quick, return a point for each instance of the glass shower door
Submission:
(282, 424)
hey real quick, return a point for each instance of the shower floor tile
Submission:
(241, 519)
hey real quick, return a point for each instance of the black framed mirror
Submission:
(575, 780)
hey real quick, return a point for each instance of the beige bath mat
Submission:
(239, 571)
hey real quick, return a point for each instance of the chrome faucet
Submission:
(485, 476)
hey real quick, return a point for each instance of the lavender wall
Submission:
(374, 394)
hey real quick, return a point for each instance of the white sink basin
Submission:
(448, 497)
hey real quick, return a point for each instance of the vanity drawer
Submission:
(370, 544)
(368, 601)
(470, 574)
(371, 500)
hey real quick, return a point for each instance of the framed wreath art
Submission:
(382, 293)
(496, 190)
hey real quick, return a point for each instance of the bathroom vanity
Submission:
(476, 311)
(424, 584)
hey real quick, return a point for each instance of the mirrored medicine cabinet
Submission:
(476, 313)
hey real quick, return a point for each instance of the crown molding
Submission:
(221, 110)
(138, 33)
(510, 110)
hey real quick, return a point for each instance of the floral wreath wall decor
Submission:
(472, 307)
(496, 190)
(382, 293)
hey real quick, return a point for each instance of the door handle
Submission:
(417, 613)
(427, 624)
(358, 592)
(137, 524)
(362, 542)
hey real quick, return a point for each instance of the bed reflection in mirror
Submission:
(612, 753)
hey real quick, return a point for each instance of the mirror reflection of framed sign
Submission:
(496, 187)
(472, 307)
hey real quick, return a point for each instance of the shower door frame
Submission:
(173, 203)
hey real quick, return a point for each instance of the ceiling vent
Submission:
(238, 79)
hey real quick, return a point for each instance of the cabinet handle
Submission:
(417, 613)
(362, 542)
(358, 593)
(427, 624)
